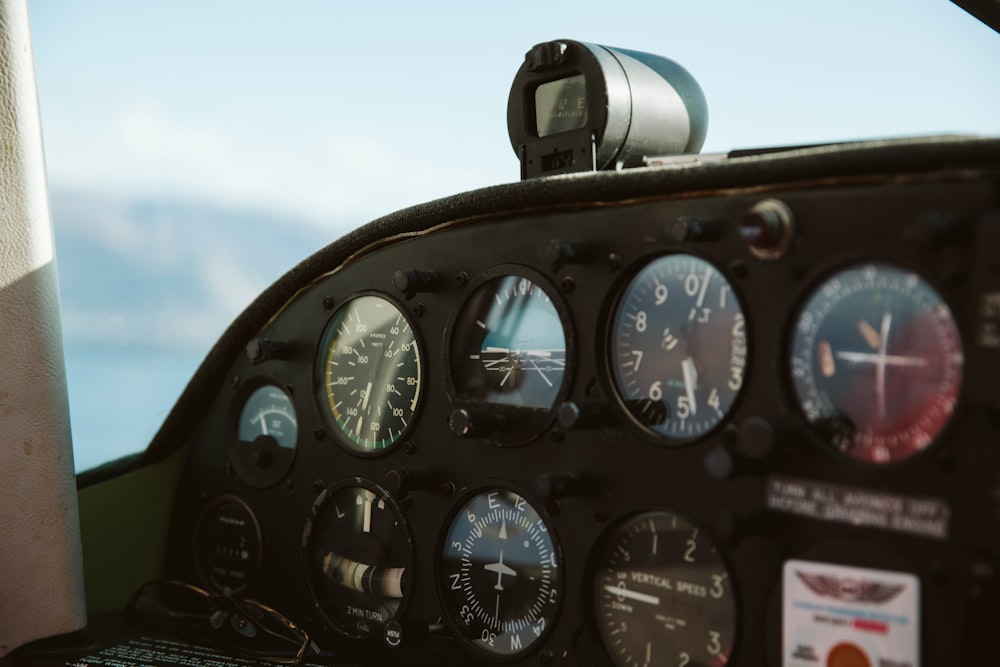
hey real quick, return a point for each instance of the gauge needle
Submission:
(690, 381)
(883, 345)
(890, 359)
(367, 500)
(882, 359)
(263, 422)
(704, 286)
(368, 392)
(868, 332)
(633, 595)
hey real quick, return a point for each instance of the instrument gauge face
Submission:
(678, 348)
(500, 574)
(508, 352)
(368, 374)
(358, 557)
(876, 362)
(266, 436)
(269, 412)
(662, 594)
(228, 546)
(509, 345)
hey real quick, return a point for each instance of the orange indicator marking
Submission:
(871, 336)
(826, 365)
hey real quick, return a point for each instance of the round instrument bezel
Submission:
(611, 313)
(325, 347)
(464, 500)
(519, 425)
(823, 277)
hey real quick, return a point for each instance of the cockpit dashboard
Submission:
(734, 412)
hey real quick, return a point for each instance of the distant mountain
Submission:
(147, 287)
(170, 275)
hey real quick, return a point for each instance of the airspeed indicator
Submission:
(368, 374)
(663, 595)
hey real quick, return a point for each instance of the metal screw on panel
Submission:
(757, 439)
(720, 463)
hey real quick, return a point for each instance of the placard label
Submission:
(925, 517)
(840, 615)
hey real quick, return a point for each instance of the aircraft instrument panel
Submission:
(744, 421)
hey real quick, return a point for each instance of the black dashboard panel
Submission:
(525, 510)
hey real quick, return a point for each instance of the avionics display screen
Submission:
(561, 105)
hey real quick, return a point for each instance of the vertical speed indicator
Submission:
(663, 594)
(678, 347)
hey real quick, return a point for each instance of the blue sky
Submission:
(304, 106)
(325, 115)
